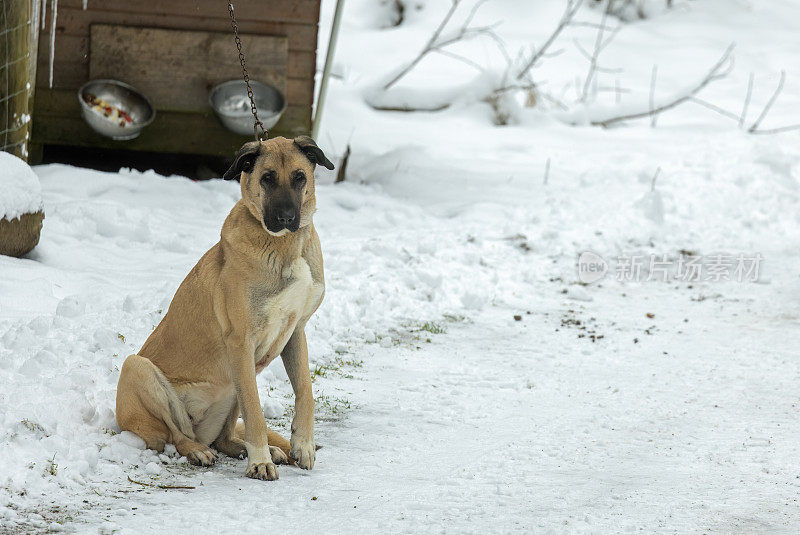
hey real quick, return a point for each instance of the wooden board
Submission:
(57, 121)
(176, 69)
(71, 68)
(73, 50)
(272, 10)
(76, 22)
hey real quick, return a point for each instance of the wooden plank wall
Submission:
(57, 120)
(190, 64)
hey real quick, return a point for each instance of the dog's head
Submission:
(277, 179)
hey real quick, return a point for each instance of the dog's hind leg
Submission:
(148, 405)
(227, 442)
(231, 440)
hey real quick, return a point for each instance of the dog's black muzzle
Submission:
(283, 214)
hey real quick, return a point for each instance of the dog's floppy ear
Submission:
(312, 152)
(244, 161)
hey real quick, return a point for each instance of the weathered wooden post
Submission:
(19, 230)
(14, 76)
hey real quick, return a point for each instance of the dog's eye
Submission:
(269, 178)
(298, 179)
(247, 165)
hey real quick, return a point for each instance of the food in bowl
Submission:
(112, 113)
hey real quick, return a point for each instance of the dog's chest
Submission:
(276, 315)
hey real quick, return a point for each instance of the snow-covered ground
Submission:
(466, 380)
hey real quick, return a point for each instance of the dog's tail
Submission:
(176, 409)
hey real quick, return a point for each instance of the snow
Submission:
(20, 192)
(466, 380)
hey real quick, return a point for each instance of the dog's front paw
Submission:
(262, 471)
(303, 452)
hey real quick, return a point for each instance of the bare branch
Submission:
(653, 76)
(553, 100)
(610, 38)
(410, 109)
(770, 102)
(514, 87)
(460, 58)
(428, 46)
(746, 105)
(777, 130)
(720, 69)
(714, 107)
(546, 171)
(754, 129)
(437, 43)
(598, 47)
(585, 24)
(473, 12)
(614, 89)
(569, 14)
(554, 53)
(588, 57)
(655, 177)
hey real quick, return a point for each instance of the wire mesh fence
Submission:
(15, 74)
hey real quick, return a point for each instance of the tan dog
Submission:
(245, 302)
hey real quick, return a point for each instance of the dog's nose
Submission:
(286, 216)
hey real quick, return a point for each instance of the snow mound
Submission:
(20, 191)
(418, 94)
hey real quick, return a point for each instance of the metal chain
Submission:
(256, 123)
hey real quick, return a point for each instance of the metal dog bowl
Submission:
(230, 102)
(124, 98)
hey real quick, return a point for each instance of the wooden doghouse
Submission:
(174, 51)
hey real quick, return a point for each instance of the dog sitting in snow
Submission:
(245, 302)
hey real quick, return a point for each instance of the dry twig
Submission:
(185, 487)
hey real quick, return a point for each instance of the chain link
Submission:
(246, 77)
